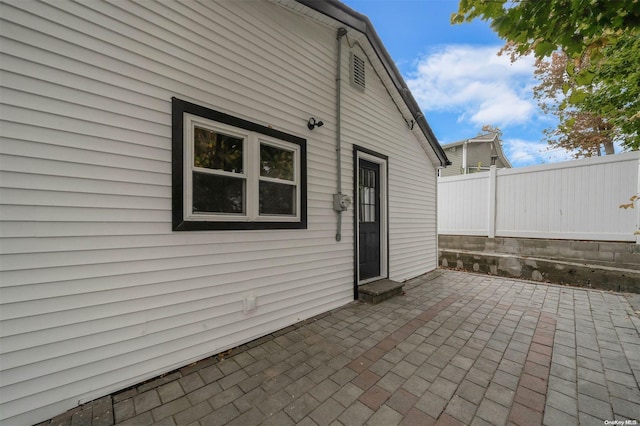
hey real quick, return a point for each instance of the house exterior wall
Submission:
(97, 292)
(455, 156)
(479, 154)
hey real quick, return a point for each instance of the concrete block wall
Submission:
(614, 254)
(605, 265)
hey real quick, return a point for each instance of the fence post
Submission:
(493, 180)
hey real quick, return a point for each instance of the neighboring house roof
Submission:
(483, 138)
(342, 13)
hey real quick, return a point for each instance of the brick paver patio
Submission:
(456, 349)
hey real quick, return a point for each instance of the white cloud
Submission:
(481, 87)
(521, 152)
(505, 104)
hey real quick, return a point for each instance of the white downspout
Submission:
(341, 33)
(464, 158)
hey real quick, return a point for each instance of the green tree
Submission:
(615, 90)
(580, 132)
(601, 42)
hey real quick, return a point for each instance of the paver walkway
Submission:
(457, 348)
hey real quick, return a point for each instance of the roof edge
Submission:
(342, 13)
(473, 139)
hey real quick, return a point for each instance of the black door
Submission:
(368, 219)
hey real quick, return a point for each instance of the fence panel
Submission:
(462, 205)
(572, 200)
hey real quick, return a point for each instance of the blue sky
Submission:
(457, 78)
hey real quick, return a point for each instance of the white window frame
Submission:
(251, 172)
(295, 182)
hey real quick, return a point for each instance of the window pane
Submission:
(276, 162)
(277, 199)
(213, 150)
(217, 194)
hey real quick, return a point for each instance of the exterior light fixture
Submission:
(313, 123)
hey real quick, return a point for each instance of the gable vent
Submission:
(357, 71)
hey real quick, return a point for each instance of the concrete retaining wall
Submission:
(603, 265)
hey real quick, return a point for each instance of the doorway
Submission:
(371, 216)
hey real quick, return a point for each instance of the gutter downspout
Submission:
(341, 33)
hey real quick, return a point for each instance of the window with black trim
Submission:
(230, 173)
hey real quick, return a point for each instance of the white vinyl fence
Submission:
(577, 200)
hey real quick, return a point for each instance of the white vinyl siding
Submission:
(455, 156)
(380, 127)
(97, 293)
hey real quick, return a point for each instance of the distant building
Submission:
(474, 155)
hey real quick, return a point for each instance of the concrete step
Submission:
(582, 274)
(379, 291)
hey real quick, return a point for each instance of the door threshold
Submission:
(370, 280)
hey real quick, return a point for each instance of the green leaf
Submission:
(577, 97)
(585, 77)
(544, 48)
(563, 105)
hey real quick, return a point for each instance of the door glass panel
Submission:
(367, 195)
